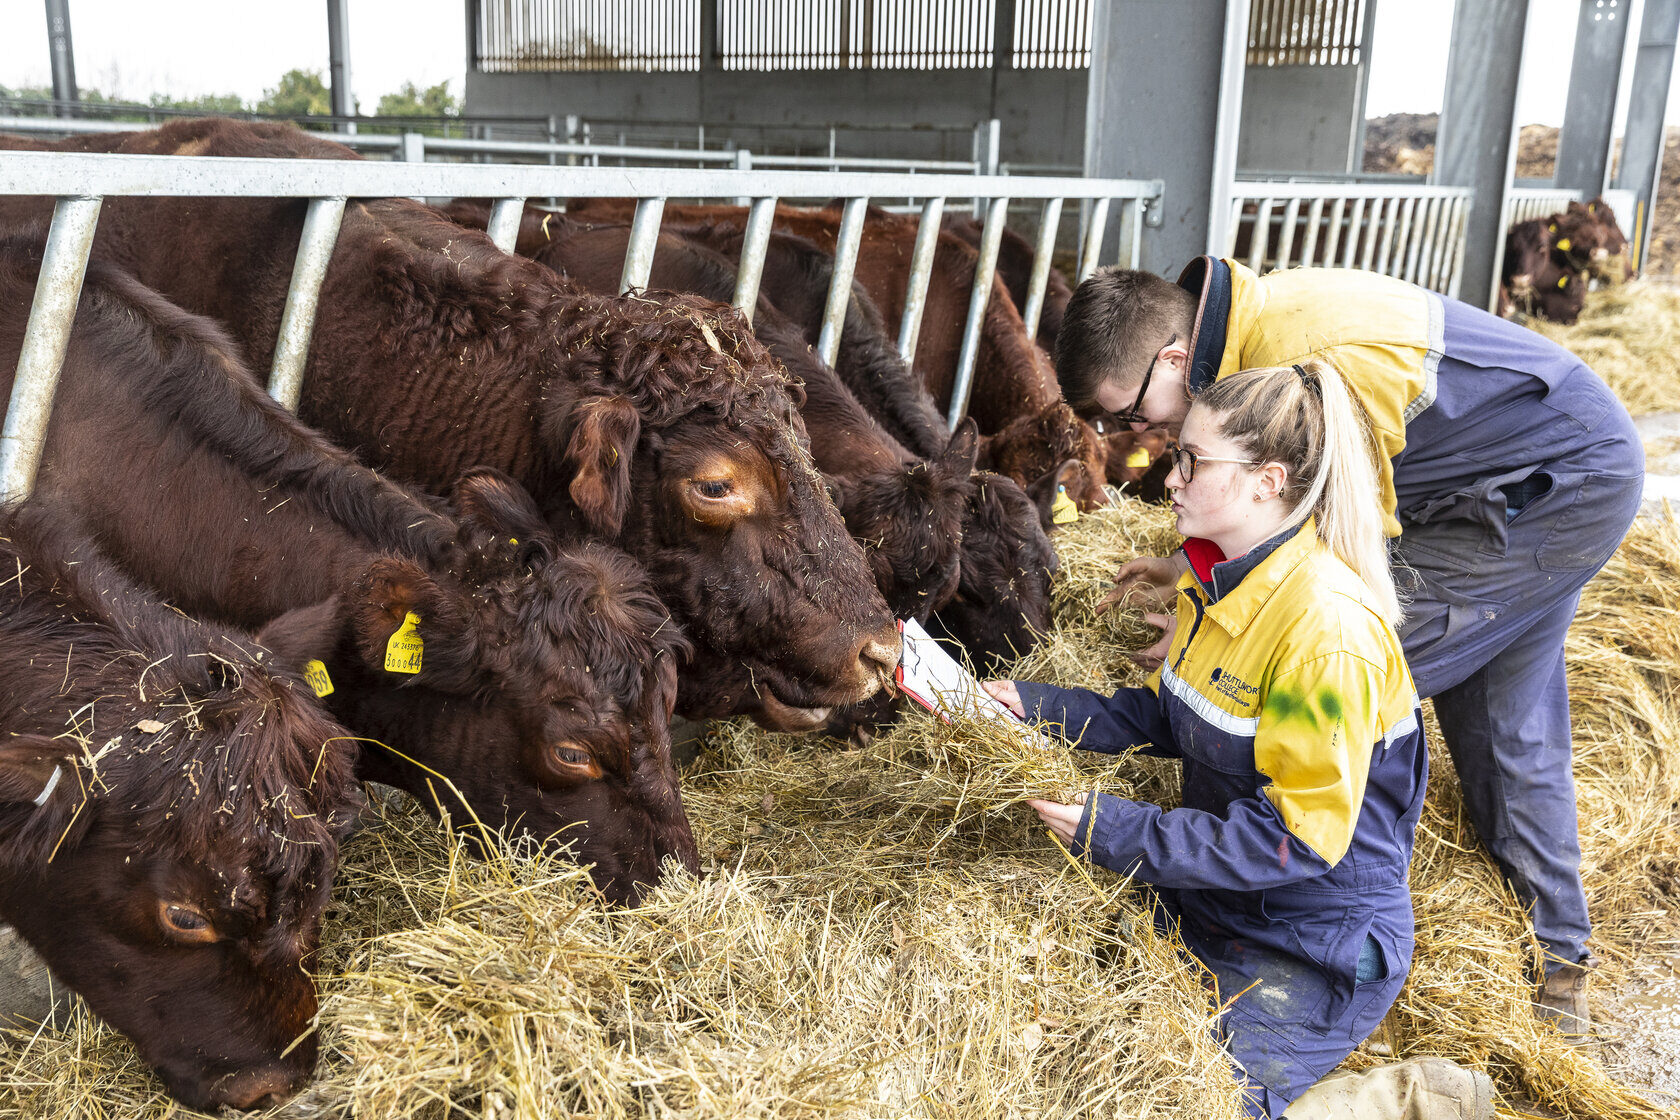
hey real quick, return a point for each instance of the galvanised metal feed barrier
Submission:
(81, 182)
(1523, 204)
(1406, 230)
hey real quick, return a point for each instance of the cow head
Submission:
(172, 870)
(1002, 605)
(680, 435)
(910, 522)
(1033, 447)
(1131, 454)
(543, 694)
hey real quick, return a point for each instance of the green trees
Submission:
(300, 93)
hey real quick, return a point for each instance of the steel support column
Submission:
(1583, 159)
(1476, 145)
(63, 54)
(1155, 85)
(1367, 35)
(1642, 140)
(338, 50)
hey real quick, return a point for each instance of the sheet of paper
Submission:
(931, 677)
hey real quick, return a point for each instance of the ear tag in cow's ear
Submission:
(404, 650)
(1563, 281)
(1138, 458)
(1062, 510)
(1552, 228)
(315, 672)
(1100, 428)
(1563, 245)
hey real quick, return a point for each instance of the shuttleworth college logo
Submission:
(1234, 687)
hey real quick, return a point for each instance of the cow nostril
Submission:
(263, 1087)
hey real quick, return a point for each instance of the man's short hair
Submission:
(1116, 322)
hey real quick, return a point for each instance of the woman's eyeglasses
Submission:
(1185, 460)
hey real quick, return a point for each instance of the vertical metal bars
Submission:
(297, 321)
(991, 236)
(503, 226)
(57, 291)
(644, 235)
(1049, 218)
(756, 240)
(1095, 226)
(514, 35)
(921, 270)
(840, 283)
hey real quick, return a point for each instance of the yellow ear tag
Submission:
(1563, 244)
(1138, 458)
(404, 650)
(1552, 228)
(1563, 281)
(315, 672)
(1062, 510)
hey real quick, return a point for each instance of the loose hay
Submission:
(1630, 335)
(887, 931)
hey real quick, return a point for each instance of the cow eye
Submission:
(714, 488)
(185, 923)
(571, 757)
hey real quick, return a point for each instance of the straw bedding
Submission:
(1630, 334)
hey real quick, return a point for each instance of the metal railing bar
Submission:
(1356, 230)
(1134, 254)
(503, 226)
(1309, 245)
(1402, 238)
(297, 321)
(921, 271)
(1271, 188)
(846, 247)
(1458, 248)
(1234, 227)
(1286, 238)
(1262, 234)
(644, 235)
(1333, 241)
(45, 340)
(761, 217)
(991, 237)
(1374, 233)
(1049, 219)
(1094, 229)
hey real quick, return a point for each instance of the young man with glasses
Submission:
(1509, 473)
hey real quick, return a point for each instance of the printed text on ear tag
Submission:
(315, 672)
(404, 650)
(1138, 458)
(1062, 510)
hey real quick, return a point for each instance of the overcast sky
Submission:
(131, 48)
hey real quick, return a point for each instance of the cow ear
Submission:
(28, 765)
(1044, 489)
(306, 634)
(385, 597)
(602, 445)
(958, 459)
(492, 503)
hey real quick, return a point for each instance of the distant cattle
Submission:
(1614, 263)
(662, 426)
(1538, 279)
(171, 805)
(1030, 430)
(543, 676)
(923, 510)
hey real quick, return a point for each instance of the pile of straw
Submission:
(1630, 334)
(888, 932)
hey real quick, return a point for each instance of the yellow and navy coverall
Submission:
(1510, 473)
(1287, 697)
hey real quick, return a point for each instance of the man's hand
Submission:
(1147, 581)
(1063, 820)
(1005, 693)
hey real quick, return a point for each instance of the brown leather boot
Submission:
(1419, 1089)
(1562, 1001)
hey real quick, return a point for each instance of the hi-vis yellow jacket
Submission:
(1289, 701)
(1385, 336)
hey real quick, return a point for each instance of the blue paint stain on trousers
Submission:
(1499, 549)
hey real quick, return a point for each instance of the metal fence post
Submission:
(413, 149)
(743, 162)
(297, 321)
(991, 237)
(1048, 220)
(644, 235)
(921, 271)
(45, 339)
(756, 240)
(503, 226)
(1094, 229)
(840, 282)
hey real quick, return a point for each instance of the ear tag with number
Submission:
(1563, 281)
(315, 672)
(1563, 244)
(404, 650)
(1139, 458)
(1062, 510)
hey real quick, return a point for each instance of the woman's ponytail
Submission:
(1304, 417)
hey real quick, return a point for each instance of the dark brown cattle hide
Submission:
(662, 426)
(1016, 256)
(171, 805)
(547, 674)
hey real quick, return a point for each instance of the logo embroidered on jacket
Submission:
(1234, 687)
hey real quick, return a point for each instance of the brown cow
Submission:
(664, 427)
(1016, 256)
(1613, 263)
(171, 806)
(547, 674)
(1030, 430)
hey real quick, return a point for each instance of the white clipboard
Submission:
(938, 682)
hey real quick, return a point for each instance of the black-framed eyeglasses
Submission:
(1185, 460)
(1134, 414)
